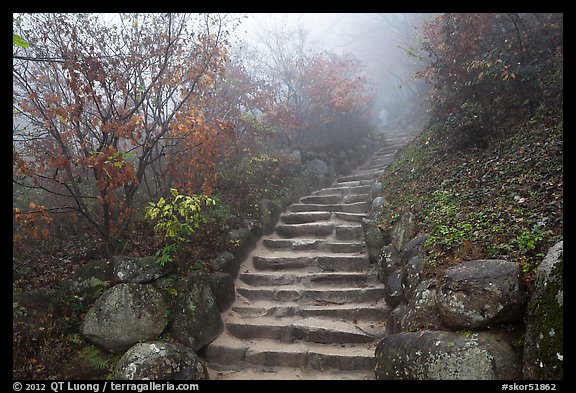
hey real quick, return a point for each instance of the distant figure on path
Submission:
(383, 118)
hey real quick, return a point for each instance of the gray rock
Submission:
(414, 246)
(413, 275)
(403, 231)
(124, 315)
(393, 291)
(374, 239)
(543, 347)
(480, 293)
(442, 355)
(222, 285)
(91, 280)
(395, 318)
(100, 269)
(377, 204)
(254, 227)
(318, 167)
(160, 360)
(269, 214)
(296, 155)
(345, 167)
(226, 262)
(388, 262)
(241, 241)
(137, 270)
(197, 320)
(375, 190)
(421, 311)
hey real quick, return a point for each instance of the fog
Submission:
(384, 43)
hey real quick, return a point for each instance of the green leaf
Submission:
(19, 41)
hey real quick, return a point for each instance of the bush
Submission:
(255, 178)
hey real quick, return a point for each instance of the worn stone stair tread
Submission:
(315, 295)
(357, 207)
(305, 245)
(374, 311)
(317, 262)
(304, 217)
(270, 278)
(334, 191)
(314, 330)
(285, 374)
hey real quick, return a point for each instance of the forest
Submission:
(157, 134)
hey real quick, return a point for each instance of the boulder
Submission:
(403, 231)
(91, 280)
(440, 355)
(421, 311)
(241, 241)
(124, 315)
(197, 320)
(269, 214)
(373, 238)
(393, 291)
(318, 167)
(296, 155)
(479, 293)
(414, 246)
(377, 204)
(160, 360)
(100, 269)
(388, 262)
(222, 285)
(543, 347)
(412, 275)
(140, 270)
(375, 190)
(226, 262)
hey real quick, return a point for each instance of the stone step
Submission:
(356, 198)
(309, 330)
(313, 244)
(362, 176)
(228, 350)
(307, 279)
(343, 190)
(306, 217)
(316, 295)
(327, 262)
(322, 199)
(351, 312)
(250, 373)
(349, 232)
(354, 183)
(309, 229)
(358, 207)
(352, 217)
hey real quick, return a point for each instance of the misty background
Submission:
(387, 44)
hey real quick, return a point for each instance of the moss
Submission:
(546, 336)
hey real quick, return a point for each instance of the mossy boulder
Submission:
(124, 315)
(543, 344)
(160, 361)
(197, 320)
(442, 355)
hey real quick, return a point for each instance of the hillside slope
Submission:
(502, 200)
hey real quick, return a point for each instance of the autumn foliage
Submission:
(101, 110)
(490, 68)
(109, 116)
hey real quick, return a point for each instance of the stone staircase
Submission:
(308, 304)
